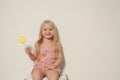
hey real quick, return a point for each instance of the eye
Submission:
(50, 29)
(45, 29)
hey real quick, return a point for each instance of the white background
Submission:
(89, 32)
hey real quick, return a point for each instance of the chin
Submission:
(49, 37)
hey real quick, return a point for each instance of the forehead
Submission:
(47, 26)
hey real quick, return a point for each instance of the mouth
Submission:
(48, 34)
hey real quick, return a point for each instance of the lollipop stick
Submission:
(24, 45)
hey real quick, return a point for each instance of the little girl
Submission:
(48, 55)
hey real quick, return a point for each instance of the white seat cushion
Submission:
(62, 77)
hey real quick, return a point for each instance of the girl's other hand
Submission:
(51, 67)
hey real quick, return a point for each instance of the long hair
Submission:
(40, 39)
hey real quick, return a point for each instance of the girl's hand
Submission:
(37, 60)
(30, 54)
(27, 50)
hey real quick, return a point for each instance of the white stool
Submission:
(62, 77)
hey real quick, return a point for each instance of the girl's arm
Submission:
(30, 54)
(59, 56)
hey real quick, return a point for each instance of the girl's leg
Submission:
(52, 75)
(37, 74)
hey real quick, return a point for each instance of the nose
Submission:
(47, 32)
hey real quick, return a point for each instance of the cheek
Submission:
(52, 32)
(43, 32)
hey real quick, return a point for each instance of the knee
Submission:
(37, 74)
(53, 78)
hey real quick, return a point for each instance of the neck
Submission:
(47, 40)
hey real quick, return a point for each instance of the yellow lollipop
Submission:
(21, 39)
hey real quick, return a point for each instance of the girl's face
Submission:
(47, 31)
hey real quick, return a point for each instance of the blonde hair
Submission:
(40, 39)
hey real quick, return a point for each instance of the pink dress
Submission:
(48, 57)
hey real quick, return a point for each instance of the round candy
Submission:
(21, 39)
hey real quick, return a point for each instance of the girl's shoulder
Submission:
(58, 43)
